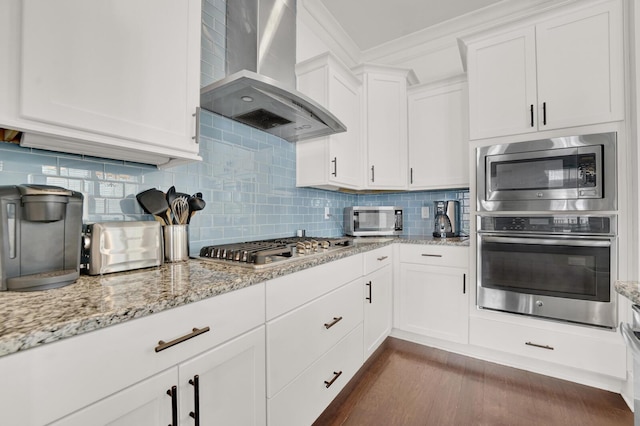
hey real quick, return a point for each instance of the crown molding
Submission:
(317, 17)
(444, 35)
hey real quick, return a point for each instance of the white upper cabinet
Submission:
(561, 72)
(117, 79)
(384, 109)
(335, 161)
(438, 136)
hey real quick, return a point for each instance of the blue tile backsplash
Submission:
(247, 177)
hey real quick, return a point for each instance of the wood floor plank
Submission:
(406, 384)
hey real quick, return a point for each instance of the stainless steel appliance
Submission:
(265, 253)
(260, 84)
(552, 266)
(631, 335)
(364, 221)
(558, 174)
(447, 219)
(40, 231)
(121, 246)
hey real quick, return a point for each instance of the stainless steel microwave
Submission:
(361, 221)
(558, 174)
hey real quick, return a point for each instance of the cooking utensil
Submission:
(153, 201)
(171, 195)
(180, 208)
(195, 204)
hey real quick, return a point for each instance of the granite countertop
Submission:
(30, 319)
(629, 289)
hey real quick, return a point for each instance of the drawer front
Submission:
(86, 368)
(376, 259)
(582, 352)
(437, 255)
(289, 292)
(297, 339)
(302, 401)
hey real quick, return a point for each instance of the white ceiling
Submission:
(371, 23)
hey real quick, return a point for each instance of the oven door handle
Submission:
(547, 241)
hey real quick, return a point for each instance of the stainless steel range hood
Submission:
(259, 89)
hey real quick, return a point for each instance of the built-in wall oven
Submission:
(546, 228)
(557, 267)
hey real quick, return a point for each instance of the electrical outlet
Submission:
(425, 212)
(327, 215)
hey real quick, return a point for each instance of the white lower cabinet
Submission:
(378, 298)
(121, 373)
(432, 295)
(303, 400)
(224, 386)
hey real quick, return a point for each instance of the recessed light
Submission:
(247, 98)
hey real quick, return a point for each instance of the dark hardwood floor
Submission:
(407, 384)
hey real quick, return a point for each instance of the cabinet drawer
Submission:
(599, 355)
(376, 259)
(289, 292)
(86, 368)
(302, 401)
(437, 255)
(297, 339)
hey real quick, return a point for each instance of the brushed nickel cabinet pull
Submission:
(411, 172)
(196, 138)
(373, 173)
(336, 374)
(539, 346)
(335, 167)
(431, 255)
(382, 258)
(195, 414)
(332, 323)
(173, 393)
(162, 345)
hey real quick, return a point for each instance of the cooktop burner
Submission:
(266, 252)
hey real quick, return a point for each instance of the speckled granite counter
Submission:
(35, 318)
(630, 290)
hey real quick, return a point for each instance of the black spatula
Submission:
(154, 201)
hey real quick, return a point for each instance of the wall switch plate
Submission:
(425, 212)
(327, 215)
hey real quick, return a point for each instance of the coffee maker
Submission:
(447, 219)
(40, 236)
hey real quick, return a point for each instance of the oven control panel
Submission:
(564, 224)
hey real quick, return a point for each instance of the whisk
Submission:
(180, 209)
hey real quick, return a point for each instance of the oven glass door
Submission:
(557, 267)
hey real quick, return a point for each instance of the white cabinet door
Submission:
(230, 383)
(561, 72)
(334, 161)
(580, 68)
(502, 85)
(438, 139)
(434, 302)
(377, 308)
(114, 78)
(148, 403)
(385, 124)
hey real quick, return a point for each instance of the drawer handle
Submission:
(162, 345)
(336, 374)
(382, 258)
(173, 393)
(332, 323)
(369, 284)
(431, 255)
(539, 346)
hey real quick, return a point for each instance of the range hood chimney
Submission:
(260, 84)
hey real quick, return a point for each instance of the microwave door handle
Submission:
(547, 241)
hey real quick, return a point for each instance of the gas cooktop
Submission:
(257, 254)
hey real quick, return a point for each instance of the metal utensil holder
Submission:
(176, 243)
